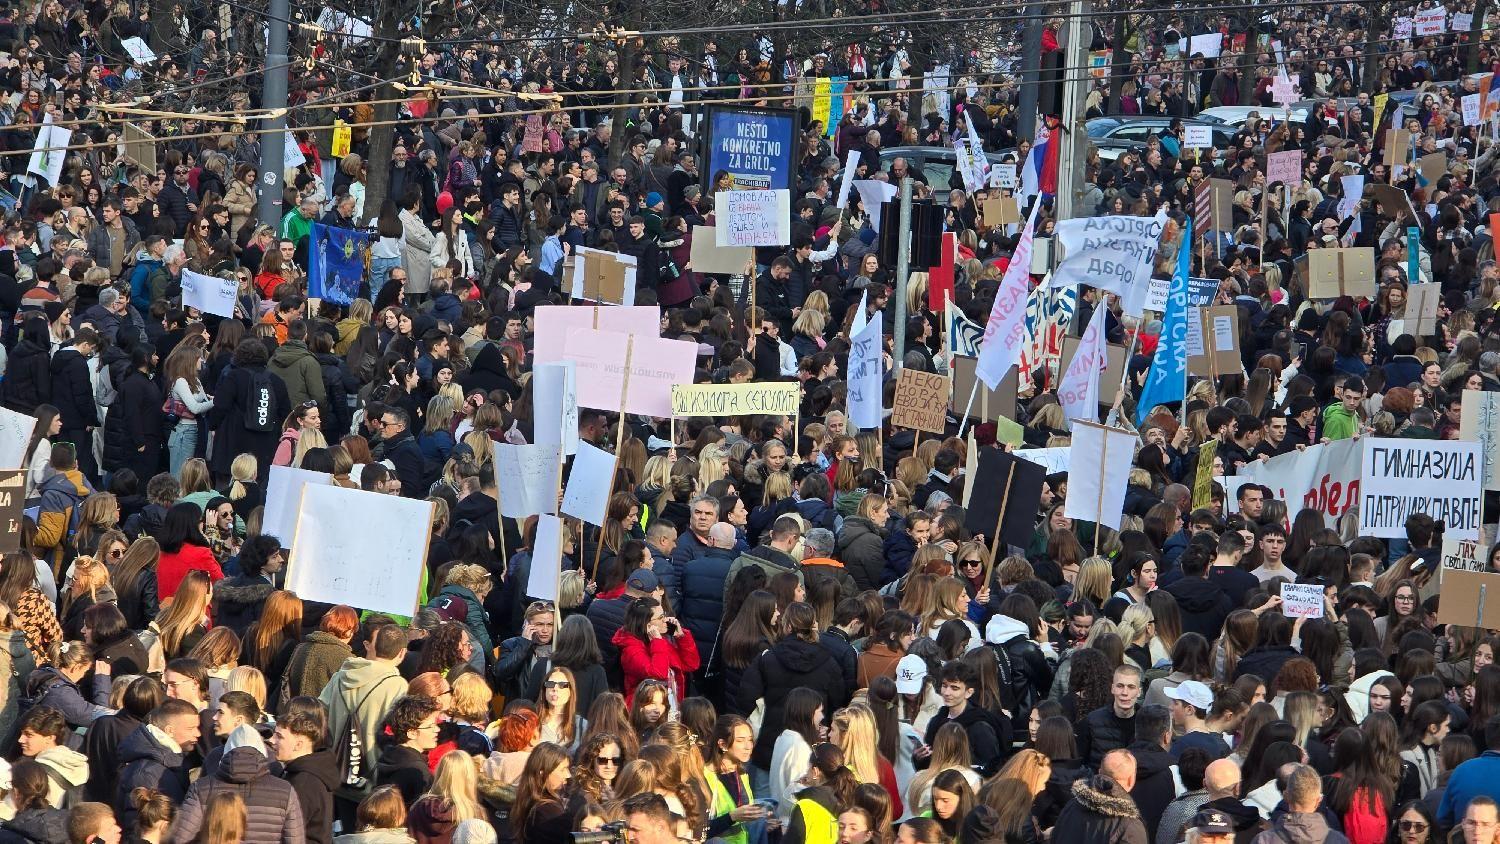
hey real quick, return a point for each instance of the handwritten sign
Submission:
(15, 436)
(775, 398)
(209, 293)
(1470, 104)
(1400, 30)
(1301, 600)
(1198, 137)
(526, 476)
(12, 503)
(532, 140)
(1463, 22)
(1003, 176)
(1284, 167)
(920, 401)
(1283, 90)
(589, 484)
(1430, 21)
(755, 218)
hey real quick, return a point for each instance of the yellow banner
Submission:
(822, 99)
(734, 399)
(341, 137)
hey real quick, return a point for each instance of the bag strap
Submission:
(372, 691)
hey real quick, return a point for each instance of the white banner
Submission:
(1078, 391)
(1114, 253)
(209, 293)
(1438, 477)
(867, 376)
(754, 217)
(1005, 330)
(1324, 477)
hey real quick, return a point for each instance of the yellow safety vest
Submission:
(722, 803)
(819, 825)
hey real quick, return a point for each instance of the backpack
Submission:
(260, 411)
(349, 749)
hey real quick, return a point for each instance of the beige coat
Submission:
(416, 253)
(240, 201)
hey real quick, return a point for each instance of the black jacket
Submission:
(147, 762)
(1101, 813)
(1154, 783)
(101, 744)
(314, 777)
(788, 664)
(404, 768)
(238, 602)
(702, 606)
(1102, 731)
(36, 826)
(861, 548)
(28, 378)
(402, 450)
(989, 735)
(73, 390)
(134, 419)
(1203, 605)
(1264, 662)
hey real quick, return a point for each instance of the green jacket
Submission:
(1339, 423)
(299, 368)
(294, 226)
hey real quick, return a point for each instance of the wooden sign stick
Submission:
(999, 520)
(619, 442)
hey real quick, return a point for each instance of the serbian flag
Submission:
(1039, 172)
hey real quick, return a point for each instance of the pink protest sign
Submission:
(552, 323)
(655, 365)
(1285, 167)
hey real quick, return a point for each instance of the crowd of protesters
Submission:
(784, 630)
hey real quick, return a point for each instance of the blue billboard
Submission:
(755, 146)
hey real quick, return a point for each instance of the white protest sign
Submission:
(1479, 420)
(1463, 22)
(1208, 45)
(1438, 477)
(1470, 105)
(1198, 137)
(554, 405)
(1324, 477)
(1430, 21)
(1301, 600)
(867, 376)
(873, 194)
(1054, 460)
(1401, 28)
(15, 437)
(1003, 176)
(552, 323)
(283, 496)
(1111, 253)
(847, 181)
(1464, 554)
(292, 156)
(754, 217)
(50, 153)
(589, 484)
(526, 476)
(209, 293)
(1353, 189)
(546, 559)
(377, 567)
(1283, 90)
(138, 51)
(1201, 292)
(655, 365)
(1096, 487)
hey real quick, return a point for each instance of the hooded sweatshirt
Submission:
(1339, 423)
(67, 766)
(373, 687)
(1358, 696)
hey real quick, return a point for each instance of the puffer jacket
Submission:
(67, 770)
(272, 812)
(474, 616)
(817, 512)
(48, 687)
(61, 496)
(861, 547)
(788, 664)
(1101, 812)
(36, 826)
(148, 757)
(665, 658)
(338, 384)
(300, 370)
(701, 608)
(898, 551)
(314, 662)
(238, 601)
(28, 378)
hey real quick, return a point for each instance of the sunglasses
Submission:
(116, 554)
(557, 684)
(974, 563)
(1413, 826)
(607, 760)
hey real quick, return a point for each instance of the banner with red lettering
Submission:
(1324, 477)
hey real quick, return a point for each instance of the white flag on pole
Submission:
(1004, 331)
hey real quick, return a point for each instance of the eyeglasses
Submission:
(1413, 826)
(384, 424)
(557, 684)
(607, 760)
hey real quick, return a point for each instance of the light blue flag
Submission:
(1167, 380)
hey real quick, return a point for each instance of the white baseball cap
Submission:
(910, 672)
(1193, 693)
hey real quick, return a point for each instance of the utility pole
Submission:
(1031, 73)
(1074, 141)
(903, 267)
(273, 129)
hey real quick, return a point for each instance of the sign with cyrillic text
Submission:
(777, 398)
(1400, 478)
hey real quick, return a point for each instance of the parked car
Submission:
(1138, 128)
(1238, 116)
(936, 164)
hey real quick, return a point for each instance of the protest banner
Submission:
(1006, 510)
(1096, 486)
(1332, 273)
(1324, 477)
(1422, 301)
(1003, 176)
(589, 482)
(1470, 105)
(1115, 359)
(546, 560)
(1054, 460)
(754, 217)
(846, 182)
(209, 293)
(1112, 253)
(1284, 167)
(1004, 343)
(779, 398)
(377, 567)
(657, 365)
(12, 505)
(15, 437)
(554, 405)
(1438, 477)
(707, 256)
(335, 263)
(920, 402)
(988, 404)
(1430, 21)
(552, 323)
(283, 497)
(1203, 474)
(1477, 424)
(1302, 600)
(1470, 599)
(1219, 330)
(1078, 389)
(867, 376)
(531, 138)
(526, 477)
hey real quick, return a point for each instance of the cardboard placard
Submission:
(139, 145)
(12, 505)
(1114, 366)
(1332, 273)
(1011, 488)
(1393, 201)
(988, 404)
(1221, 342)
(1432, 166)
(1459, 601)
(999, 211)
(1397, 146)
(1302, 600)
(602, 276)
(708, 256)
(1203, 475)
(921, 401)
(1422, 302)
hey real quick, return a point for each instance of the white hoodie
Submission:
(1358, 696)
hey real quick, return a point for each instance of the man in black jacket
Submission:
(1101, 808)
(73, 395)
(101, 744)
(401, 449)
(313, 774)
(153, 755)
(773, 295)
(1111, 727)
(1203, 603)
(178, 200)
(1155, 786)
(989, 735)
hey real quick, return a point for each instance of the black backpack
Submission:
(349, 750)
(260, 411)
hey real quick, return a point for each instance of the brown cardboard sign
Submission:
(1422, 302)
(1432, 166)
(1221, 342)
(603, 277)
(1397, 147)
(1393, 201)
(1459, 599)
(999, 211)
(1114, 367)
(709, 257)
(139, 145)
(1332, 273)
(988, 404)
(921, 401)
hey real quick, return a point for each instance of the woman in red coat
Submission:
(183, 549)
(654, 646)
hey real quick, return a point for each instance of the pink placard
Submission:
(1284, 167)
(553, 322)
(655, 365)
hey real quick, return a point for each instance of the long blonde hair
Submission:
(243, 470)
(308, 439)
(1095, 575)
(89, 576)
(858, 736)
(186, 612)
(457, 780)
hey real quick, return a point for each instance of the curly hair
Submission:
(1089, 680)
(407, 715)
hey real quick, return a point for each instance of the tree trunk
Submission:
(1374, 26)
(1471, 61)
(383, 137)
(617, 137)
(1119, 64)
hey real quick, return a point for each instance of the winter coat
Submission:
(774, 562)
(16, 664)
(1030, 674)
(227, 419)
(474, 616)
(36, 826)
(135, 419)
(819, 569)
(404, 768)
(1102, 731)
(38, 621)
(1155, 781)
(73, 390)
(861, 546)
(101, 744)
(139, 602)
(1264, 662)
(666, 658)
(1203, 605)
(47, 687)
(897, 553)
(371, 686)
(28, 378)
(239, 601)
(1101, 813)
(149, 758)
(416, 249)
(174, 566)
(788, 664)
(298, 368)
(61, 496)
(241, 202)
(67, 771)
(314, 777)
(316, 659)
(701, 607)
(1301, 828)
(272, 812)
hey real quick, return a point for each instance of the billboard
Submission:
(755, 146)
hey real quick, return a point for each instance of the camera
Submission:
(607, 833)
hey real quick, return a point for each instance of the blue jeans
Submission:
(380, 269)
(181, 444)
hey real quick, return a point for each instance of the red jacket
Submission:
(174, 567)
(663, 659)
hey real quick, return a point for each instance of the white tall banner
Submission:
(377, 567)
(554, 405)
(861, 316)
(872, 195)
(589, 483)
(1096, 483)
(979, 165)
(209, 293)
(283, 495)
(1111, 253)
(847, 181)
(546, 559)
(1005, 330)
(49, 153)
(15, 436)
(1441, 478)
(526, 476)
(867, 376)
(1078, 391)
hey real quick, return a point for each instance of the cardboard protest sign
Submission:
(707, 256)
(1438, 477)
(15, 436)
(1115, 359)
(601, 276)
(1302, 600)
(1477, 424)
(1393, 201)
(1422, 302)
(999, 211)
(552, 323)
(1397, 146)
(988, 404)
(12, 504)
(778, 398)
(1220, 327)
(377, 567)
(1470, 599)
(921, 401)
(1432, 166)
(1332, 273)
(754, 217)
(284, 488)
(546, 559)
(1096, 485)
(1198, 137)
(1203, 475)
(526, 478)
(140, 145)
(209, 293)
(655, 366)
(1009, 489)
